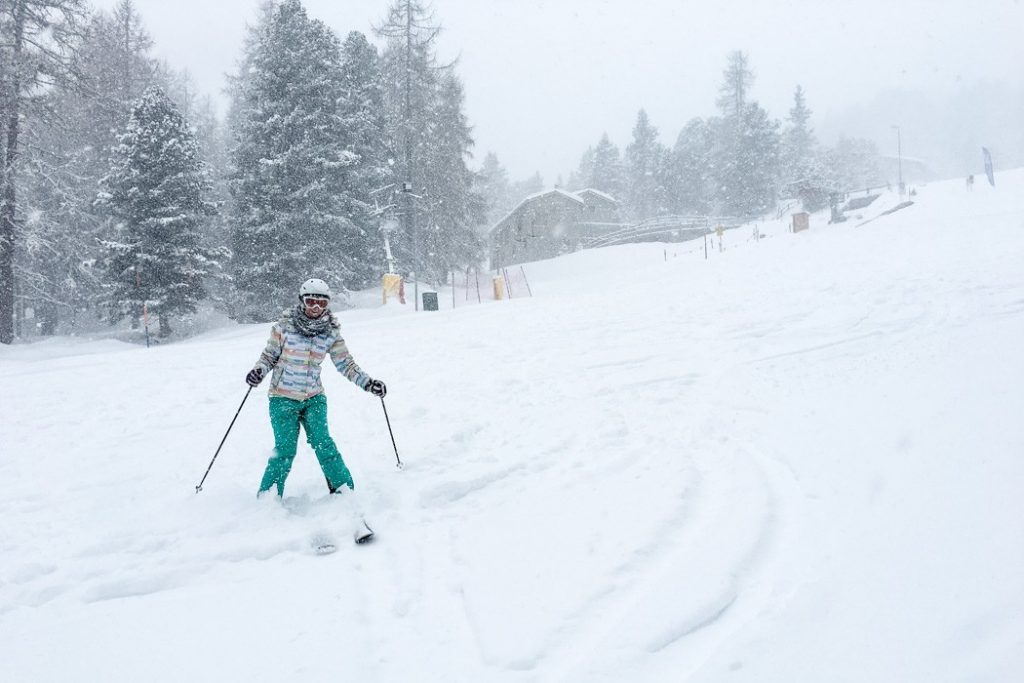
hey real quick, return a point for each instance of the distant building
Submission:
(914, 170)
(547, 224)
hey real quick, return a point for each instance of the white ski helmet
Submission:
(314, 286)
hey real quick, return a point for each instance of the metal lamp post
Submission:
(409, 197)
(899, 159)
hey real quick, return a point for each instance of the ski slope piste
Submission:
(800, 458)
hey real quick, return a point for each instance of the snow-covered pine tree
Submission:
(803, 173)
(70, 153)
(430, 136)
(212, 139)
(114, 67)
(291, 211)
(410, 75)
(58, 250)
(747, 146)
(453, 209)
(854, 164)
(362, 114)
(645, 171)
(527, 186)
(798, 141)
(493, 186)
(691, 169)
(737, 80)
(37, 45)
(606, 173)
(752, 166)
(579, 178)
(155, 191)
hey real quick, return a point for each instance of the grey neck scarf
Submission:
(311, 327)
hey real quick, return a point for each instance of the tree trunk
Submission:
(47, 318)
(165, 327)
(8, 233)
(7, 236)
(7, 227)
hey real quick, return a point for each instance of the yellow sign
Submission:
(392, 285)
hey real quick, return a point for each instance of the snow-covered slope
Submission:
(798, 460)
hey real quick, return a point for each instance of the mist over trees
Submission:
(934, 124)
(122, 190)
(740, 162)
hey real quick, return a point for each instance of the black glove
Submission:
(254, 377)
(377, 388)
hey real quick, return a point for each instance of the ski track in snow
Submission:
(610, 481)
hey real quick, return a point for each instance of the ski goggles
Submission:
(316, 301)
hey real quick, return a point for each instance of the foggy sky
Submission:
(545, 78)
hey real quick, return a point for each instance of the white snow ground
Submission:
(799, 460)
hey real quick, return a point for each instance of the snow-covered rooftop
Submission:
(603, 195)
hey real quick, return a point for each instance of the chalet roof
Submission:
(545, 193)
(602, 195)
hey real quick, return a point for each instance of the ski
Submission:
(324, 544)
(364, 534)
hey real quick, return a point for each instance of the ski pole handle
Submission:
(200, 486)
(397, 459)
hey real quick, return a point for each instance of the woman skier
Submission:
(298, 343)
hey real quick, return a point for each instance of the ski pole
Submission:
(399, 460)
(200, 487)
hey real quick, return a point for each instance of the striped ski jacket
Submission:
(295, 359)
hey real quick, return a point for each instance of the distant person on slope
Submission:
(298, 343)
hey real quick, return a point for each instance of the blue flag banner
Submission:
(988, 166)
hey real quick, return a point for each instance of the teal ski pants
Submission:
(285, 417)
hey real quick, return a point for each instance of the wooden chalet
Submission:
(547, 224)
